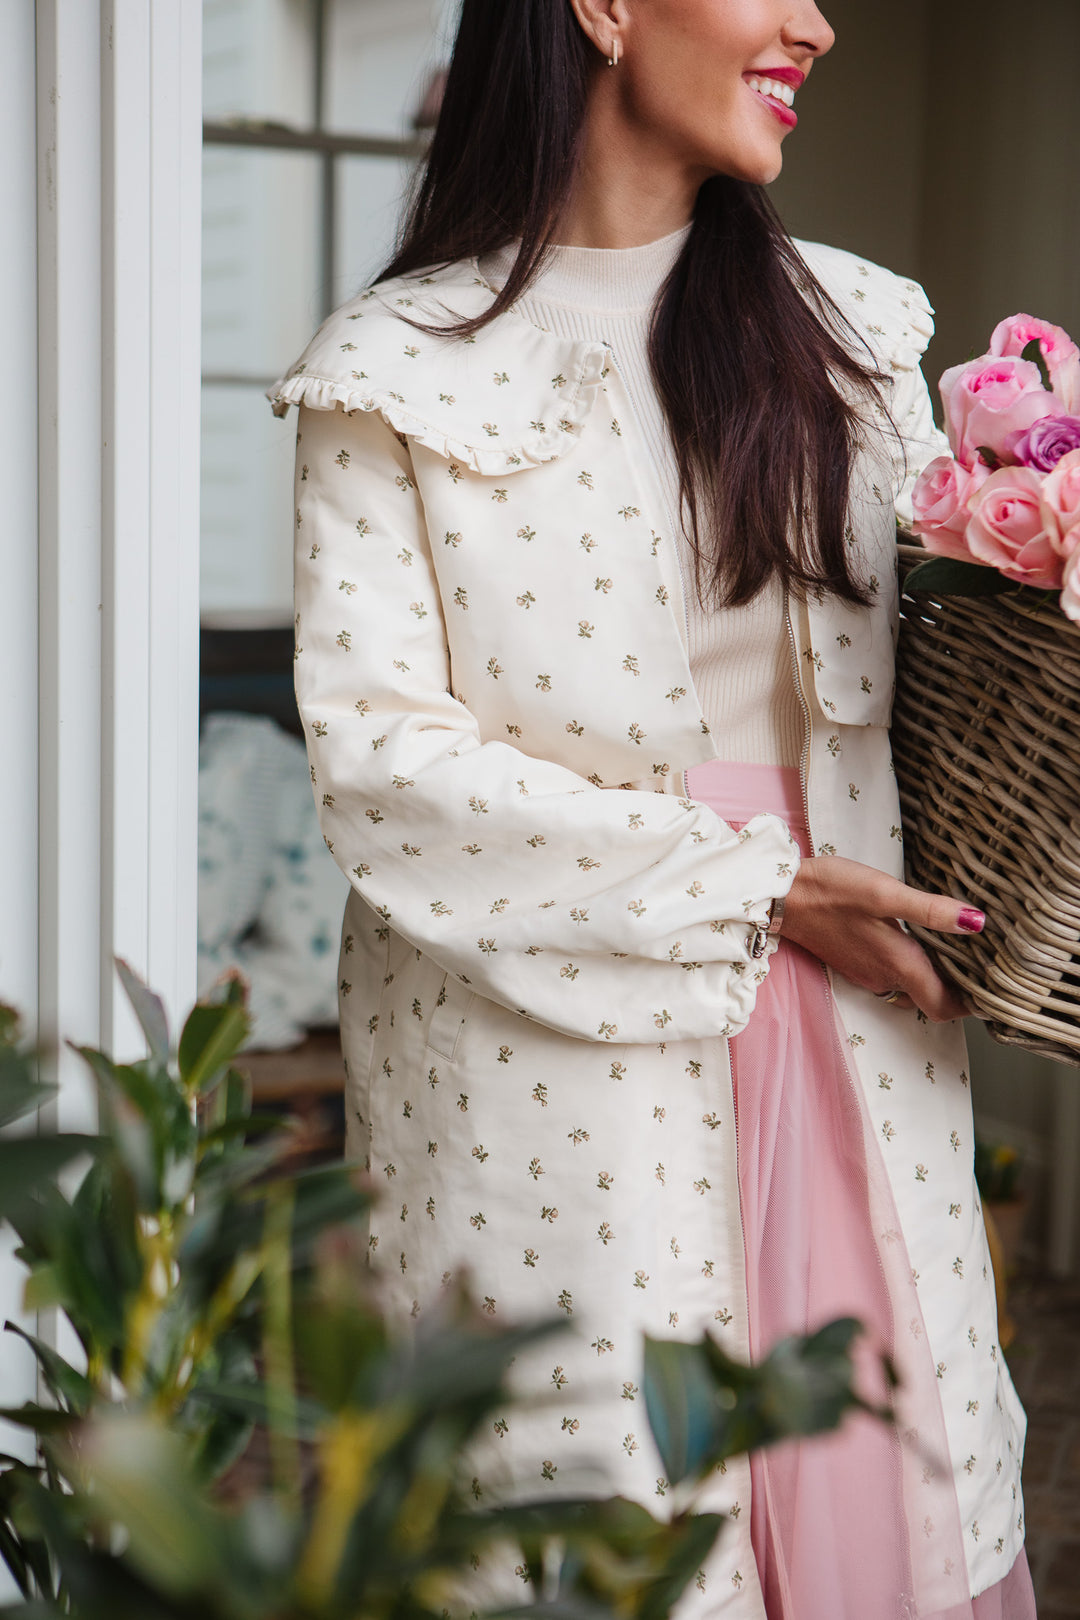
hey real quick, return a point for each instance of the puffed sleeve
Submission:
(608, 914)
(898, 320)
(894, 321)
(920, 440)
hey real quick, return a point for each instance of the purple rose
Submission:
(1043, 445)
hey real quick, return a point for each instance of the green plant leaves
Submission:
(20, 1090)
(136, 1473)
(149, 1009)
(246, 1311)
(704, 1407)
(681, 1400)
(210, 1040)
(69, 1388)
(26, 1161)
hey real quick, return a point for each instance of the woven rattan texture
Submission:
(986, 739)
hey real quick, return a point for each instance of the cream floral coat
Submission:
(546, 941)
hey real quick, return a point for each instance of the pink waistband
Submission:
(738, 792)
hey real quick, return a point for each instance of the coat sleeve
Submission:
(609, 914)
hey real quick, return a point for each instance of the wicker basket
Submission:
(986, 738)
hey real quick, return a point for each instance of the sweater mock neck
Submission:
(607, 280)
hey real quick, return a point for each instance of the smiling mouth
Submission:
(777, 96)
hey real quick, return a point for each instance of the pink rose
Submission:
(1061, 504)
(1009, 530)
(988, 399)
(940, 501)
(1059, 351)
(1070, 596)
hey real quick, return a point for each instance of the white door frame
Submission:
(100, 169)
(119, 163)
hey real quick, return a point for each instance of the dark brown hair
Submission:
(749, 355)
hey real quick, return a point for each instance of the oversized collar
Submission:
(509, 396)
(514, 395)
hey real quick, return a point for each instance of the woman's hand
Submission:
(849, 916)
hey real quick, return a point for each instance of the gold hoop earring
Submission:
(613, 59)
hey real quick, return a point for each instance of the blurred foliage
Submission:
(241, 1436)
(997, 1171)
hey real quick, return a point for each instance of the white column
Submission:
(69, 536)
(18, 589)
(100, 650)
(151, 166)
(118, 275)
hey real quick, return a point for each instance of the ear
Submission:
(600, 20)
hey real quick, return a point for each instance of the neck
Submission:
(628, 191)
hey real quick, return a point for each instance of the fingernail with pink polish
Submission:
(971, 921)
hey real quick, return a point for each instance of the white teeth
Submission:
(773, 87)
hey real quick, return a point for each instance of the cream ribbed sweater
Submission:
(740, 658)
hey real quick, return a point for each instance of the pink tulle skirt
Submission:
(833, 1519)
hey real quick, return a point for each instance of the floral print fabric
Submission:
(546, 941)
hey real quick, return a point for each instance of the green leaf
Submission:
(210, 1040)
(680, 1398)
(254, 1403)
(23, 1551)
(250, 1125)
(149, 1009)
(39, 1609)
(1033, 351)
(988, 457)
(138, 1473)
(10, 1025)
(949, 576)
(807, 1383)
(803, 1387)
(27, 1161)
(40, 1419)
(63, 1381)
(689, 1543)
(21, 1092)
(615, 1557)
(98, 1262)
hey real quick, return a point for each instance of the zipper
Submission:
(686, 630)
(804, 758)
(760, 940)
(804, 762)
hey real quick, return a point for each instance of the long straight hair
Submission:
(755, 367)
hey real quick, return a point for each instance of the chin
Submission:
(754, 174)
(755, 166)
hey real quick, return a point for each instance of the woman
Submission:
(596, 606)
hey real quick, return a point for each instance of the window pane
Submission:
(247, 473)
(258, 60)
(260, 259)
(369, 197)
(380, 55)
